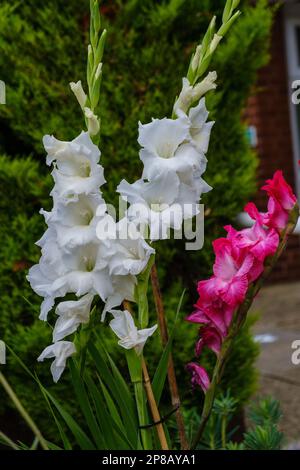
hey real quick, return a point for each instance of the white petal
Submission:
(123, 289)
(60, 351)
(131, 192)
(102, 283)
(163, 136)
(80, 282)
(185, 98)
(198, 114)
(201, 137)
(65, 326)
(46, 306)
(128, 256)
(71, 315)
(143, 335)
(122, 323)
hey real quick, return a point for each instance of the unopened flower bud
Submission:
(98, 71)
(214, 43)
(190, 94)
(207, 84)
(79, 93)
(196, 58)
(93, 121)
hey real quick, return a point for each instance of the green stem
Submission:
(140, 399)
(223, 431)
(7, 441)
(212, 435)
(136, 375)
(23, 412)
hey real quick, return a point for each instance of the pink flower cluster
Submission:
(239, 261)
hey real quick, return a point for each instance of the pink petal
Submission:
(224, 266)
(207, 289)
(256, 271)
(276, 217)
(235, 292)
(199, 376)
(253, 212)
(281, 191)
(198, 316)
(211, 338)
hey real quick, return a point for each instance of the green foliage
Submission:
(42, 49)
(267, 410)
(235, 446)
(220, 433)
(263, 438)
(265, 435)
(225, 405)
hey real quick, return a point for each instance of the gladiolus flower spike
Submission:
(242, 261)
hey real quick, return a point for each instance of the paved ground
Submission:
(278, 327)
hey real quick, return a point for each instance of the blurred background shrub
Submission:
(43, 48)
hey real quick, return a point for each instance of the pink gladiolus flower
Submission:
(260, 242)
(276, 217)
(199, 376)
(231, 270)
(239, 261)
(209, 337)
(278, 189)
(281, 201)
(214, 313)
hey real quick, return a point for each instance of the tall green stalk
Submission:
(136, 375)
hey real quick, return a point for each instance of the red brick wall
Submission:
(268, 110)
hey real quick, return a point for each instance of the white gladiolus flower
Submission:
(44, 277)
(187, 157)
(75, 221)
(76, 170)
(162, 203)
(86, 271)
(71, 314)
(130, 337)
(79, 93)
(80, 270)
(60, 351)
(128, 255)
(165, 146)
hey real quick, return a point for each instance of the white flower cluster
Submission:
(173, 153)
(74, 260)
